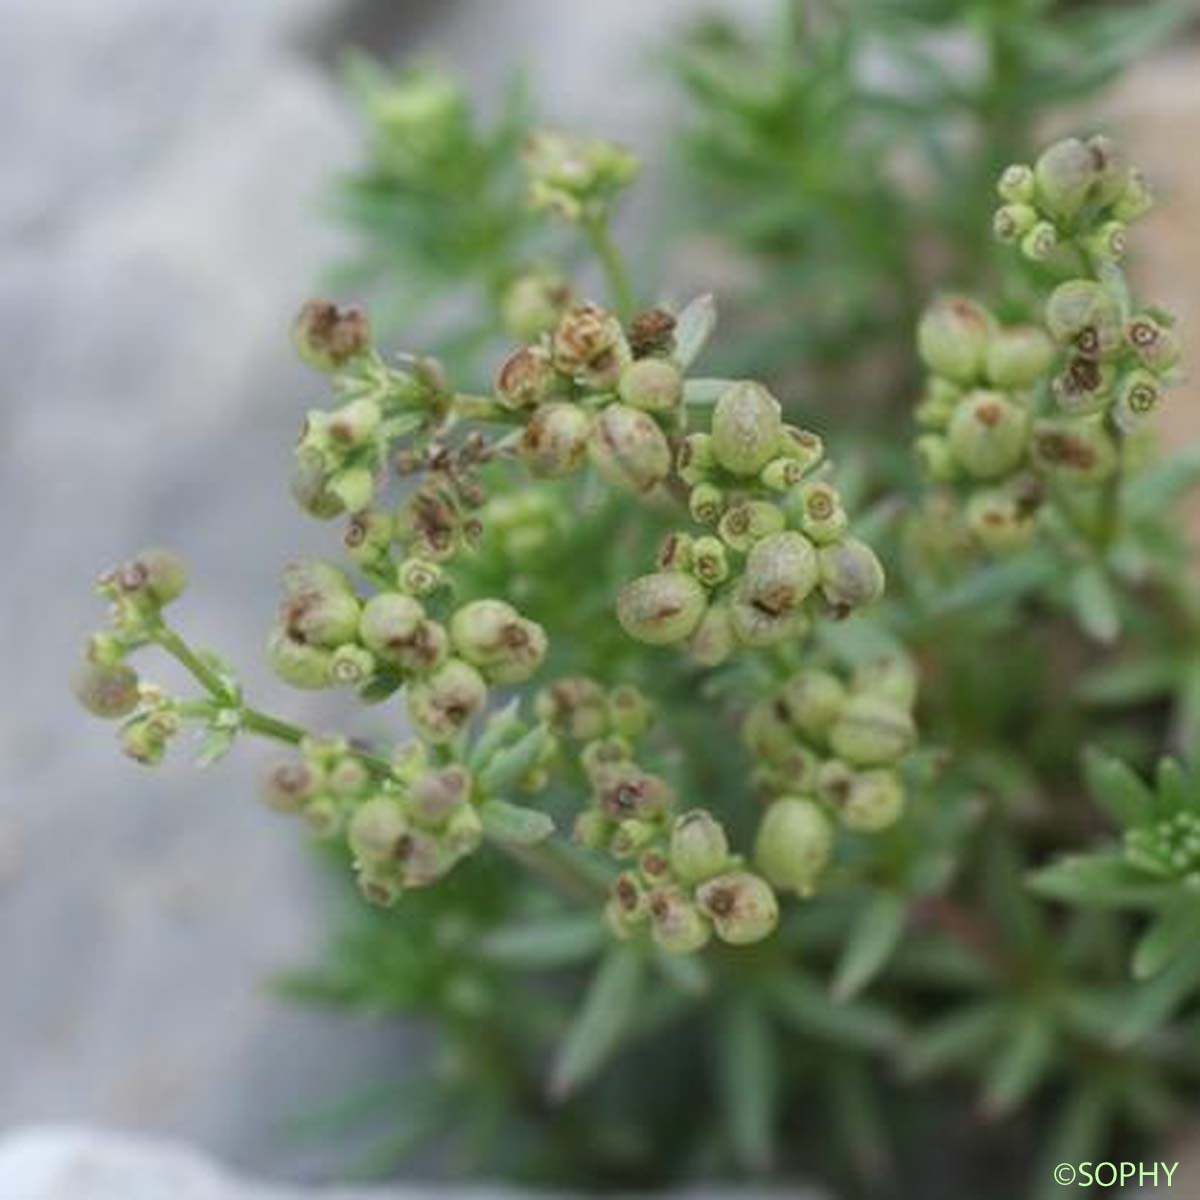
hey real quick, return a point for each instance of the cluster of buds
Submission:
(576, 178)
(1168, 848)
(829, 747)
(326, 636)
(1079, 193)
(779, 553)
(419, 120)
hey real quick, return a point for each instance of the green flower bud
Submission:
(1001, 519)
(368, 536)
(676, 924)
(988, 434)
(1156, 346)
(1018, 356)
(533, 304)
(1065, 174)
(767, 733)
(1138, 396)
(938, 403)
(652, 384)
(819, 510)
(589, 346)
(298, 663)
(695, 459)
(348, 778)
(598, 755)
(675, 553)
(1111, 173)
(463, 832)
(714, 639)
(309, 485)
(1017, 184)
(748, 521)
(628, 448)
(108, 690)
(935, 458)
(629, 710)
(377, 831)
(159, 574)
(351, 666)
(1077, 450)
(1135, 199)
(802, 446)
(555, 441)
(782, 473)
(811, 701)
(741, 906)
(652, 334)
(1083, 386)
(834, 780)
(422, 858)
(442, 704)
(418, 577)
(872, 730)
(624, 792)
(527, 379)
(378, 886)
(781, 571)
(576, 706)
(756, 627)
(592, 829)
(354, 487)
(1084, 314)
(1012, 221)
(1108, 243)
(353, 424)
(706, 503)
(630, 836)
(319, 607)
(288, 786)
(324, 817)
(747, 424)
(1040, 242)
(794, 844)
(494, 637)
(629, 898)
(661, 608)
(891, 677)
(874, 801)
(952, 337)
(851, 574)
(327, 337)
(699, 848)
(145, 738)
(710, 563)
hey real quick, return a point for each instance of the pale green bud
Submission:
(746, 426)
(598, 755)
(710, 563)
(576, 706)
(1111, 174)
(874, 801)
(935, 458)
(819, 510)
(938, 403)
(298, 663)
(794, 844)
(952, 337)
(442, 704)
(988, 434)
(327, 337)
(741, 906)
(872, 730)
(419, 577)
(652, 384)
(748, 521)
(145, 738)
(1017, 184)
(625, 792)
(706, 503)
(695, 459)
(422, 858)
(812, 701)
(368, 536)
(1108, 243)
(1000, 521)
(378, 885)
(890, 677)
(351, 666)
(353, 424)
(1074, 449)
(348, 778)
(288, 786)
(160, 574)
(108, 690)
(1156, 346)
(630, 836)
(1018, 356)
(555, 441)
(589, 345)
(1083, 313)
(676, 924)
(1065, 174)
(533, 304)
(654, 866)
(628, 449)
(309, 485)
(1083, 386)
(1138, 395)
(1012, 221)
(527, 378)
(493, 636)
(834, 780)
(629, 710)
(377, 830)
(388, 623)
(767, 733)
(802, 446)
(782, 473)
(756, 627)
(1135, 199)
(699, 848)
(319, 608)
(629, 898)
(324, 817)
(714, 639)
(353, 486)
(1040, 242)
(781, 571)
(661, 608)
(851, 574)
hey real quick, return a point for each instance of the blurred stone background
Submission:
(160, 219)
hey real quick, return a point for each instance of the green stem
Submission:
(614, 266)
(209, 679)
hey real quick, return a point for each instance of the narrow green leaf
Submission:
(510, 764)
(1020, 1066)
(502, 727)
(1116, 788)
(953, 1040)
(748, 1081)
(1076, 1137)
(1175, 791)
(557, 941)
(873, 938)
(504, 822)
(997, 584)
(1153, 1002)
(1166, 937)
(686, 972)
(1133, 681)
(1102, 880)
(809, 1008)
(693, 329)
(1095, 604)
(606, 1015)
(1154, 490)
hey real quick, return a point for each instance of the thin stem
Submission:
(209, 679)
(614, 266)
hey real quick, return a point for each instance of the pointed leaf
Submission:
(501, 727)
(1166, 936)
(693, 329)
(686, 972)
(1153, 1002)
(1103, 880)
(1020, 1066)
(809, 1009)
(510, 764)
(873, 938)
(1174, 790)
(953, 1040)
(1116, 788)
(547, 942)
(1095, 604)
(504, 822)
(748, 1080)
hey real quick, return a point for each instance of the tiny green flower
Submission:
(710, 563)
(935, 458)
(388, 623)
(629, 710)
(706, 503)
(377, 830)
(296, 662)
(794, 844)
(1138, 395)
(1017, 184)
(493, 636)
(351, 666)
(812, 701)
(288, 786)
(748, 521)
(1155, 345)
(988, 434)
(676, 924)
(1013, 221)
(699, 847)
(819, 510)
(741, 906)
(1083, 313)
(1040, 242)
(695, 459)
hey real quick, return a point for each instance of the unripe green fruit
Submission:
(555, 441)
(629, 899)
(851, 574)
(1040, 242)
(628, 449)
(319, 607)
(327, 337)
(348, 778)
(872, 730)
(388, 622)
(819, 510)
(377, 830)
(378, 886)
(1083, 386)
(1012, 221)
(676, 924)
(812, 701)
(288, 786)
(1065, 174)
(1077, 450)
(298, 663)
(741, 906)
(988, 434)
(938, 403)
(353, 486)
(108, 690)
(794, 844)
(442, 704)
(652, 384)
(756, 627)
(699, 847)
(952, 338)
(746, 426)
(874, 802)
(1000, 521)
(527, 378)
(1083, 313)
(1018, 356)
(661, 608)
(163, 574)
(592, 829)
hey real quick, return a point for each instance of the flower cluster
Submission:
(778, 553)
(829, 747)
(576, 178)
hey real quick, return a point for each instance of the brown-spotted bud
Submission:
(589, 346)
(756, 627)
(527, 378)
(1155, 345)
(377, 831)
(794, 844)
(873, 802)
(812, 701)
(443, 703)
(423, 858)
(576, 706)
(1040, 242)
(782, 473)
(1138, 395)
(161, 575)
(652, 384)
(108, 690)
(328, 337)
(695, 460)
(801, 445)
(676, 924)
(1018, 356)
(368, 536)
(1066, 174)
(319, 606)
(350, 666)
(1001, 521)
(747, 424)
(706, 503)
(555, 441)
(1074, 449)
(851, 574)
(436, 795)
(661, 608)
(625, 792)
(533, 304)
(493, 636)
(309, 485)
(288, 786)
(748, 521)
(871, 730)
(1108, 243)
(652, 333)
(298, 663)
(714, 639)
(1083, 385)
(629, 899)
(699, 847)
(988, 434)
(628, 449)
(675, 553)
(781, 571)
(741, 906)
(819, 511)
(1084, 314)
(354, 423)
(952, 338)
(1017, 184)
(710, 563)
(1013, 221)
